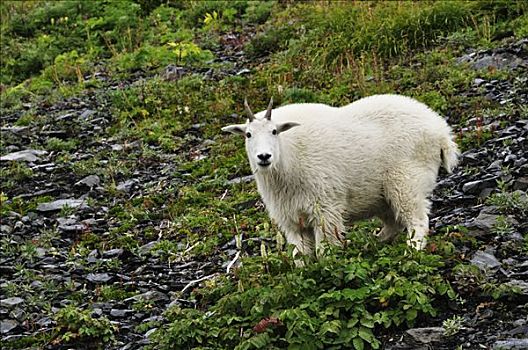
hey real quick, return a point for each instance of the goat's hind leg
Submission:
(391, 227)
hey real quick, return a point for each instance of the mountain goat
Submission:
(317, 166)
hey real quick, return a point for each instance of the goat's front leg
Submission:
(303, 239)
(328, 228)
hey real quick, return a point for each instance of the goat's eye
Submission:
(248, 135)
(274, 132)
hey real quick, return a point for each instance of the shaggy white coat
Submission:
(378, 156)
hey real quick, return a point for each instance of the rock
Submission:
(426, 335)
(66, 116)
(28, 155)
(70, 225)
(155, 318)
(243, 179)
(125, 186)
(97, 312)
(118, 313)
(151, 295)
(87, 113)
(149, 332)
(36, 284)
(146, 248)
(499, 61)
(11, 302)
(13, 129)
(478, 81)
(29, 218)
(521, 328)
(41, 252)
(475, 187)
(45, 322)
(18, 314)
(60, 203)
(485, 260)
(6, 229)
(7, 326)
(483, 222)
(173, 72)
(511, 344)
(113, 253)
(520, 184)
(522, 286)
(99, 277)
(496, 165)
(90, 181)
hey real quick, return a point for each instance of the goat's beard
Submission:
(257, 169)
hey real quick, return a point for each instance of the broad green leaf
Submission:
(358, 344)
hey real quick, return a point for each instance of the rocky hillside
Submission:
(129, 221)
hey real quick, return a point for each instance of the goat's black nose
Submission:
(264, 156)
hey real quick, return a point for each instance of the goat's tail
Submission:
(450, 153)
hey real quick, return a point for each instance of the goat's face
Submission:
(262, 138)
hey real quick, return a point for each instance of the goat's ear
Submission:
(235, 129)
(286, 126)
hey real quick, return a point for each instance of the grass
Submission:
(330, 52)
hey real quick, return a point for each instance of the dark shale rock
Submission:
(522, 286)
(11, 302)
(7, 326)
(70, 224)
(243, 179)
(6, 229)
(511, 344)
(151, 295)
(485, 260)
(475, 187)
(426, 335)
(144, 249)
(126, 186)
(89, 181)
(99, 277)
(521, 184)
(113, 253)
(118, 313)
(45, 322)
(87, 113)
(28, 155)
(483, 223)
(60, 203)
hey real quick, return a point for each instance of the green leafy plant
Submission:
(56, 144)
(509, 202)
(339, 300)
(453, 325)
(78, 326)
(502, 226)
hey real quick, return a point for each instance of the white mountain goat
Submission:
(317, 166)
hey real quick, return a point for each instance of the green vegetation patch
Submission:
(344, 300)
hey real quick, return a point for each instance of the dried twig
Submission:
(190, 284)
(232, 262)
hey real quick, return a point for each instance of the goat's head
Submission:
(262, 137)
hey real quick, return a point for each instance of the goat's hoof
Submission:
(418, 244)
